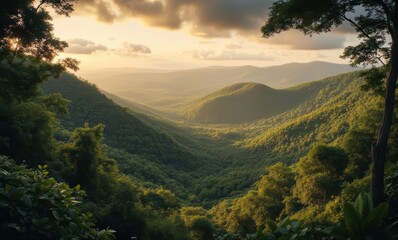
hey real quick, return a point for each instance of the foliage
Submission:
(34, 206)
(27, 129)
(229, 105)
(28, 47)
(160, 199)
(198, 223)
(287, 229)
(83, 154)
(376, 25)
(251, 212)
(364, 221)
(163, 153)
(319, 174)
(27, 51)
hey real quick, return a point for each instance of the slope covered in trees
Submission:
(246, 102)
(231, 157)
(123, 130)
(314, 188)
(145, 151)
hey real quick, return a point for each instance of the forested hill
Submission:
(122, 129)
(323, 118)
(185, 160)
(245, 102)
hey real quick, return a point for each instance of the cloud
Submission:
(129, 49)
(233, 46)
(82, 46)
(228, 55)
(297, 40)
(204, 18)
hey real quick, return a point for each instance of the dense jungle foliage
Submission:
(74, 165)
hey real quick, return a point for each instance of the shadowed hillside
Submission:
(245, 102)
(122, 129)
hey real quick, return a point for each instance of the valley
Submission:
(198, 120)
(210, 161)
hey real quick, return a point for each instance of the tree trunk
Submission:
(379, 148)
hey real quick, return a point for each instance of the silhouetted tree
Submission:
(27, 52)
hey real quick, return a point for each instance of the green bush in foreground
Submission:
(364, 221)
(34, 206)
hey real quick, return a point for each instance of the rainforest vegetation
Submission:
(76, 165)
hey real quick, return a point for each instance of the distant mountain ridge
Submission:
(244, 102)
(175, 90)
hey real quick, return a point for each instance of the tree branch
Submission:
(356, 25)
(388, 14)
(363, 32)
(40, 4)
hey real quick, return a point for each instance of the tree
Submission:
(84, 154)
(28, 46)
(319, 174)
(374, 21)
(274, 187)
(34, 206)
(27, 52)
(197, 221)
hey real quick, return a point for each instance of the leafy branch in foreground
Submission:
(34, 206)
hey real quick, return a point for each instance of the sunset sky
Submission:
(179, 34)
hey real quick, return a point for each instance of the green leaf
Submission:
(375, 218)
(17, 193)
(272, 226)
(368, 204)
(363, 204)
(27, 201)
(353, 220)
(7, 188)
(359, 203)
(14, 226)
(56, 215)
(73, 226)
(21, 211)
(339, 232)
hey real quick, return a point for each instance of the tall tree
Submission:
(376, 22)
(84, 153)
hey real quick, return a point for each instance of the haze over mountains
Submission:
(175, 90)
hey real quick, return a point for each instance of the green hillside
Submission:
(122, 130)
(323, 118)
(210, 162)
(245, 102)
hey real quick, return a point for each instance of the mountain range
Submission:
(173, 91)
(204, 161)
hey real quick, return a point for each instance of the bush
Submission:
(34, 206)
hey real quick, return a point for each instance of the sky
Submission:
(182, 34)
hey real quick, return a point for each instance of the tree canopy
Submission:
(376, 23)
